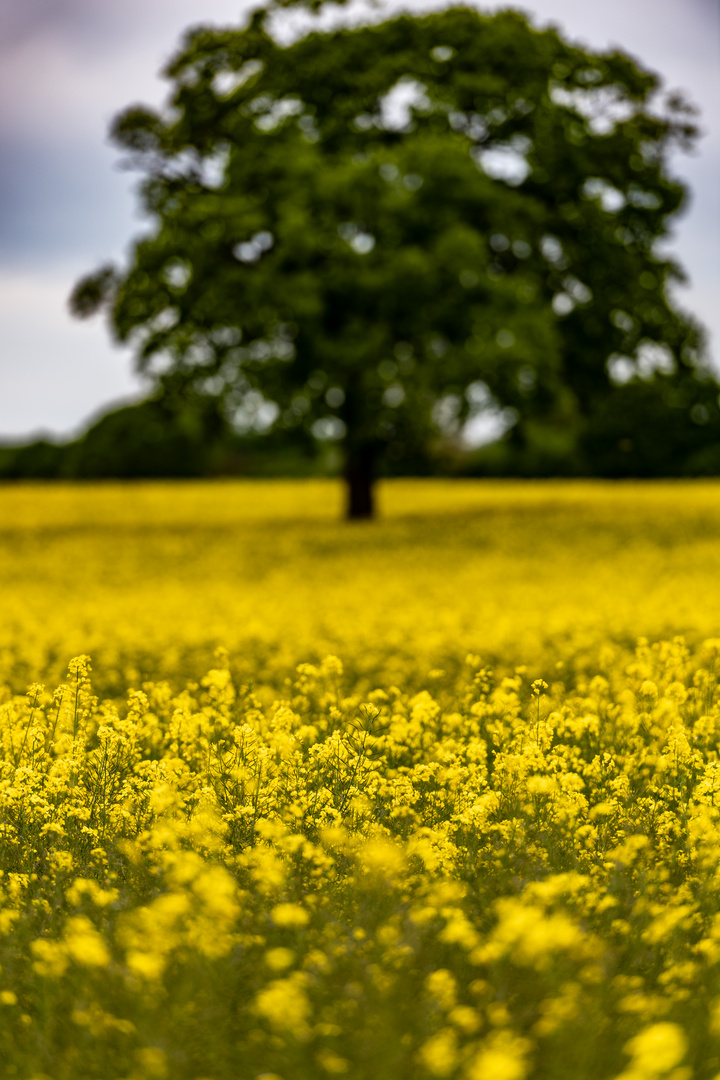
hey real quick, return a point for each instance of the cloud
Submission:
(72, 18)
(54, 371)
(59, 204)
(108, 25)
(66, 68)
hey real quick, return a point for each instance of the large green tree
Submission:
(375, 231)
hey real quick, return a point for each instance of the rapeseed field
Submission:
(284, 798)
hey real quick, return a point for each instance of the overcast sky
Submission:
(67, 66)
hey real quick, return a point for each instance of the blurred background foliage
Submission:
(644, 428)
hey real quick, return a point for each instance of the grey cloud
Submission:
(57, 201)
(81, 21)
(86, 22)
(66, 68)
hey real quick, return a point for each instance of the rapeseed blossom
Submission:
(375, 835)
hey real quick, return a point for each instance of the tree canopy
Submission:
(376, 232)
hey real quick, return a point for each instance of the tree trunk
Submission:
(359, 477)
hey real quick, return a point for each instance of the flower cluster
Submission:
(498, 878)
(435, 810)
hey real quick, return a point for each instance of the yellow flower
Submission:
(285, 1005)
(441, 986)
(278, 959)
(84, 944)
(655, 1052)
(439, 1055)
(502, 1056)
(290, 915)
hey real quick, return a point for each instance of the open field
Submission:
(149, 579)
(398, 800)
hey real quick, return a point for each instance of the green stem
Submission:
(27, 729)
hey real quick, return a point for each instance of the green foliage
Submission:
(667, 426)
(163, 437)
(363, 226)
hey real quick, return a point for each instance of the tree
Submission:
(375, 231)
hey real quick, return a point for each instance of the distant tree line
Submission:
(645, 428)
(157, 438)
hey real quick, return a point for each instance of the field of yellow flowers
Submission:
(284, 798)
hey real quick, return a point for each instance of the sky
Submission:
(68, 66)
